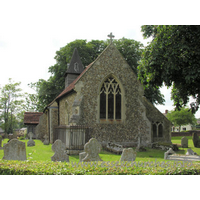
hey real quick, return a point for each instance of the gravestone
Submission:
(60, 154)
(169, 152)
(184, 142)
(115, 148)
(31, 142)
(196, 140)
(190, 152)
(92, 148)
(1, 142)
(46, 140)
(82, 156)
(128, 155)
(14, 150)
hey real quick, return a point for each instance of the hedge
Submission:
(97, 168)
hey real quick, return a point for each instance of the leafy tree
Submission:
(10, 106)
(181, 117)
(172, 58)
(88, 51)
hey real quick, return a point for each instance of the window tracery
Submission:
(110, 100)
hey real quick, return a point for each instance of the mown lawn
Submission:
(39, 162)
(41, 152)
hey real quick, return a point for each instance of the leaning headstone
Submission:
(60, 154)
(31, 143)
(82, 156)
(190, 152)
(128, 155)
(184, 142)
(196, 140)
(1, 142)
(169, 152)
(46, 140)
(14, 150)
(92, 148)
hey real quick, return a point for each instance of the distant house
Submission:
(31, 120)
(187, 127)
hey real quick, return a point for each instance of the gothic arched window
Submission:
(110, 100)
(157, 129)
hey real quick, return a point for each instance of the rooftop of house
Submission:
(32, 117)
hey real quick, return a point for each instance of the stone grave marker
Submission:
(46, 140)
(14, 150)
(128, 155)
(1, 142)
(196, 140)
(82, 156)
(169, 152)
(115, 148)
(60, 154)
(31, 142)
(190, 152)
(184, 142)
(92, 148)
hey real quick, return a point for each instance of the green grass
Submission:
(41, 152)
(39, 162)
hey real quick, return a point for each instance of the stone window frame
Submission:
(157, 134)
(111, 121)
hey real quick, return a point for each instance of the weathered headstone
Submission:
(115, 148)
(190, 152)
(92, 148)
(184, 142)
(196, 140)
(60, 154)
(46, 140)
(82, 156)
(14, 150)
(128, 155)
(169, 152)
(1, 142)
(31, 142)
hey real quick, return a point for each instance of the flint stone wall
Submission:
(65, 108)
(112, 63)
(153, 114)
(41, 128)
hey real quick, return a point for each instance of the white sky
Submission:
(32, 31)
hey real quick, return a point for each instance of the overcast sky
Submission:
(32, 31)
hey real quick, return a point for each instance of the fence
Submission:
(75, 137)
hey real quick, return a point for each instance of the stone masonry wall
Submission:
(126, 132)
(153, 114)
(41, 128)
(64, 116)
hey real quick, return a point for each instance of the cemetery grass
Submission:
(39, 162)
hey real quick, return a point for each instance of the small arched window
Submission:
(157, 129)
(110, 100)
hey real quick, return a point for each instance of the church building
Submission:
(105, 101)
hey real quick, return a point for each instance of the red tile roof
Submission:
(72, 85)
(32, 117)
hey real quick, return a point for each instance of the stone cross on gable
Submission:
(111, 36)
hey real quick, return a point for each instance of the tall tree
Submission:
(10, 105)
(172, 58)
(88, 51)
(181, 117)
